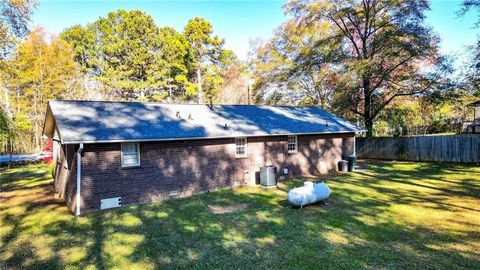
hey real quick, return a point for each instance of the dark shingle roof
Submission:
(474, 104)
(98, 121)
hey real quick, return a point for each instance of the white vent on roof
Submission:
(110, 203)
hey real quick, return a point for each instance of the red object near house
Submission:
(47, 151)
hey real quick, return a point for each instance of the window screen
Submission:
(292, 144)
(130, 154)
(241, 147)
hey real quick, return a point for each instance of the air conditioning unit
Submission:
(268, 176)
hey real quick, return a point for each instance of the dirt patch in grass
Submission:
(228, 209)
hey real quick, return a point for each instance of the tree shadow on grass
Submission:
(437, 176)
(356, 230)
(237, 241)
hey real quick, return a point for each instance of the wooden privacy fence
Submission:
(451, 148)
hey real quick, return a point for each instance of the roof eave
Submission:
(474, 104)
(208, 138)
(48, 123)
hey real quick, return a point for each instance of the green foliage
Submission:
(207, 54)
(427, 114)
(136, 60)
(4, 123)
(125, 45)
(172, 62)
(82, 40)
(6, 134)
(51, 169)
(396, 118)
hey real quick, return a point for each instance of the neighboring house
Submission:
(474, 126)
(108, 154)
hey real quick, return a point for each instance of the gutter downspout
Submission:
(354, 145)
(79, 175)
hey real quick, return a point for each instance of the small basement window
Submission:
(240, 147)
(130, 154)
(292, 144)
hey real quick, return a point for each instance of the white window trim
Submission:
(138, 155)
(245, 145)
(296, 145)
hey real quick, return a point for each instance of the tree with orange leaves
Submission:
(378, 50)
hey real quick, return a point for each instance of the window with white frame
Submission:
(292, 144)
(240, 147)
(130, 154)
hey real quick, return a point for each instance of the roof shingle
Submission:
(99, 121)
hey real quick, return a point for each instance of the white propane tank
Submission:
(308, 194)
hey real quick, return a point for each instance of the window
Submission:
(292, 144)
(130, 154)
(240, 147)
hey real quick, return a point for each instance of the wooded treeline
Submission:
(374, 62)
(122, 56)
(134, 59)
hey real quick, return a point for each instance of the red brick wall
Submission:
(65, 172)
(192, 166)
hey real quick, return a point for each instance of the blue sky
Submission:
(237, 21)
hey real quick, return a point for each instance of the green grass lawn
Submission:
(392, 215)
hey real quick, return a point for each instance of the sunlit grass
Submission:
(392, 215)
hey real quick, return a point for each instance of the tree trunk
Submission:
(9, 124)
(35, 120)
(7, 101)
(369, 126)
(368, 107)
(199, 86)
(10, 145)
(18, 102)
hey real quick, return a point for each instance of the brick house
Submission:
(108, 154)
